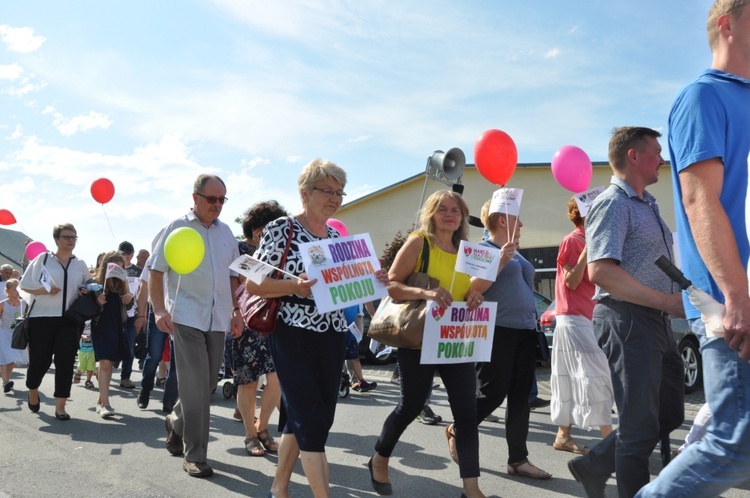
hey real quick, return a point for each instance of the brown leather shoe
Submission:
(197, 469)
(174, 440)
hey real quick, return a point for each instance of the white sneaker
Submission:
(107, 412)
(98, 407)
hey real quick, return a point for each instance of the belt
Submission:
(610, 301)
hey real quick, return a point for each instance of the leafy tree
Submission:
(392, 248)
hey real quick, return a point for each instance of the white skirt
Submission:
(581, 381)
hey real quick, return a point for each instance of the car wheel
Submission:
(691, 357)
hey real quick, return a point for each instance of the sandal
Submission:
(268, 442)
(77, 378)
(253, 447)
(569, 444)
(450, 435)
(89, 384)
(534, 472)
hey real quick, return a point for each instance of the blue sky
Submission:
(150, 94)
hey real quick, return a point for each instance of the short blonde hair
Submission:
(489, 220)
(431, 206)
(720, 8)
(319, 169)
(11, 283)
(59, 229)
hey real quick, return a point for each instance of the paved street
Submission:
(125, 456)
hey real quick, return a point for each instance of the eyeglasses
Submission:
(213, 200)
(330, 193)
(68, 237)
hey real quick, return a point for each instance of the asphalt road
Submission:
(125, 456)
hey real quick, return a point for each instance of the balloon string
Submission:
(176, 292)
(108, 223)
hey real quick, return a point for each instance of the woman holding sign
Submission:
(53, 280)
(308, 346)
(443, 224)
(510, 371)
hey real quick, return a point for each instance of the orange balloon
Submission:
(102, 190)
(496, 156)
(6, 217)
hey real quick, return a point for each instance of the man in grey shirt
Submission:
(198, 317)
(625, 236)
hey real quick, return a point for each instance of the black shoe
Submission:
(167, 406)
(34, 408)
(62, 416)
(8, 386)
(174, 440)
(381, 488)
(364, 386)
(539, 403)
(428, 417)
(593, 486)
(143, 399)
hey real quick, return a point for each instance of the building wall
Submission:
(543, 207)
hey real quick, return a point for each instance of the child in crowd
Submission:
(86, 358)
(107, 332)
(10, 310)
(354, 318)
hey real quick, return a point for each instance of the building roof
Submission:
(12, 247)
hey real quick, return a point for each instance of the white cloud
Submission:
(20, 40)
(70, 126)
(25, 86)
(552, 53)
(361, 138)
(17, 133)
(248, 164)
(10, 72)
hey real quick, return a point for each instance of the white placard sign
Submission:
(46, 279)
(344, 268)
(584, 199)
(506, 201)
(457, 335)
(251, 268)
(478, 260)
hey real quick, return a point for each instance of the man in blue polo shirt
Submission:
(709, 143)
(625, 236)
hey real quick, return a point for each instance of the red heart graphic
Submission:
(467, 250)
(437, 313)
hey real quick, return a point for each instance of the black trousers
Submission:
(416, 383)
(510, 372)
(52, 337)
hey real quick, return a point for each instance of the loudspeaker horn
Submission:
(451, 164)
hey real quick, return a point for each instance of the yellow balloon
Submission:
(184, 250)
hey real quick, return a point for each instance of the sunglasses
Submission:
(213, 200)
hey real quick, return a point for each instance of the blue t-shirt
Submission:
(513, 292)
(711, 118)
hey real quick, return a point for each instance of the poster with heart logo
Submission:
(457, 335)
(345, 269)
(478, 260)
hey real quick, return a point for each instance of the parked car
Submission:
(687, 345)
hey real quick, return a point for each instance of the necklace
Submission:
(309, 227)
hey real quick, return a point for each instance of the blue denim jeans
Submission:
(155, 343)
(647, 377)
(128, 355)
(722, 458)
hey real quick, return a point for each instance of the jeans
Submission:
(416, 383)
(155, 340)
(127, 360)
(647, 377)
(722, 458)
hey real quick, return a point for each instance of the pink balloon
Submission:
(338, 225)
(34, 249)
(572, 168)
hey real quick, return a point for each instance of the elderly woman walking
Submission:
(308, 346)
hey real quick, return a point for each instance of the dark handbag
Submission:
(20, 337)
(260, 313)
(83, 308)
(139, 347)
(400, 323)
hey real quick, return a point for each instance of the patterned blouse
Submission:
(296, 311)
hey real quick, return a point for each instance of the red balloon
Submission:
(496, 156)
(102, 190)
(6, 217)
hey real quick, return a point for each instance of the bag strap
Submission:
(288, 245)
(28, 312)
(425, 265)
